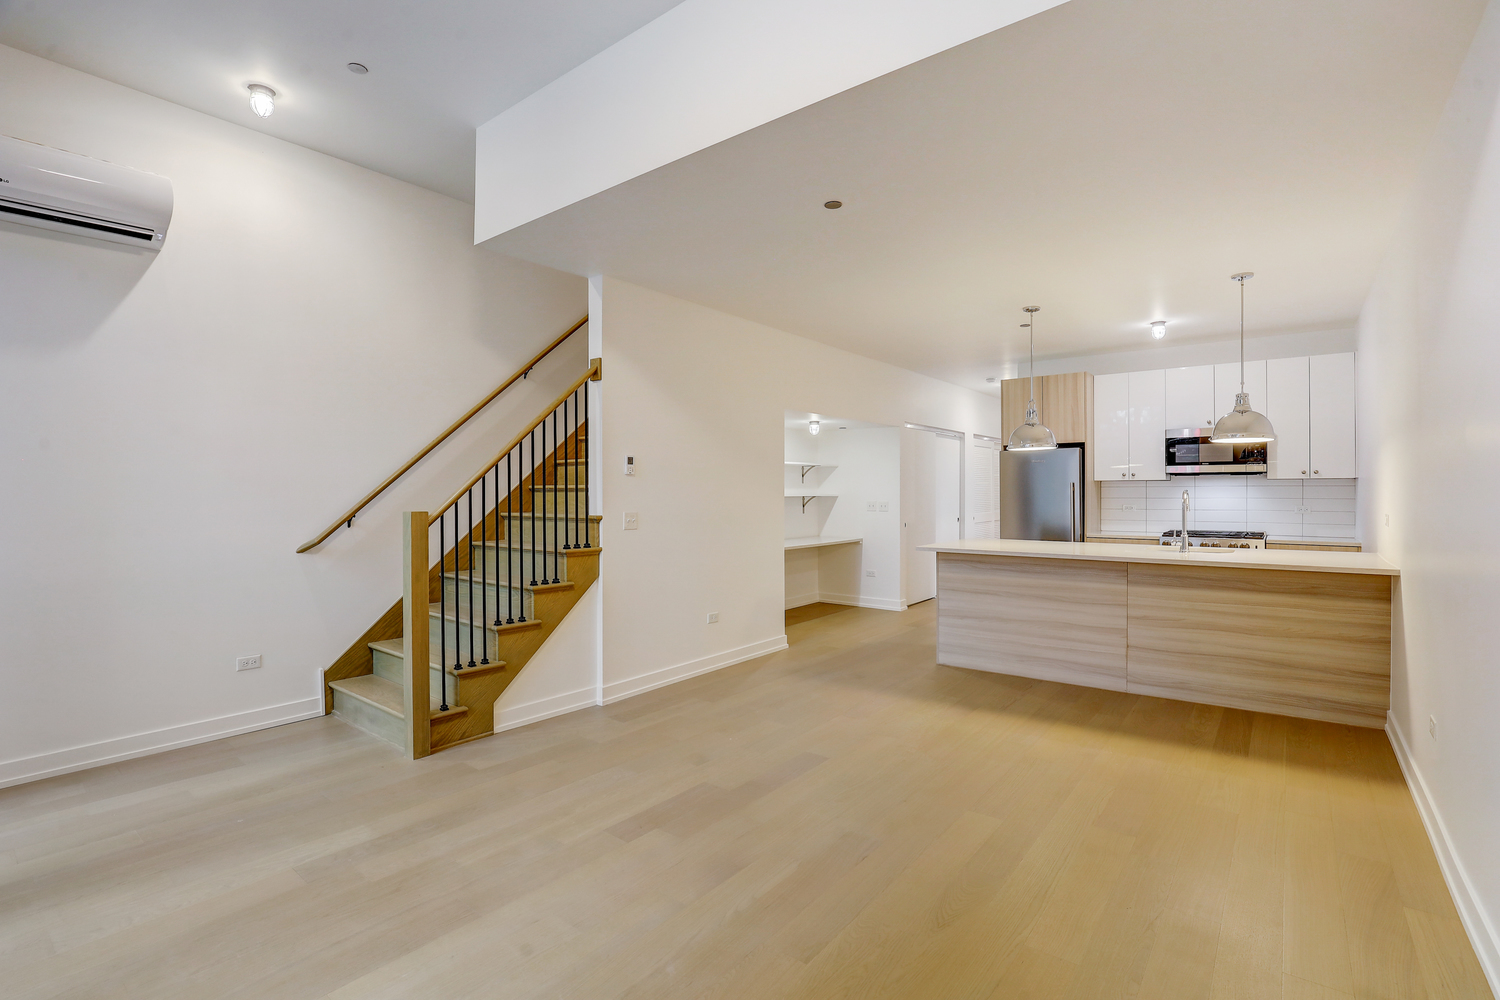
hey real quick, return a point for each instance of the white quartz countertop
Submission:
(1287, 559)
(818, 541)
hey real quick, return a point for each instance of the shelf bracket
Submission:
(805, 502)
(805, 470)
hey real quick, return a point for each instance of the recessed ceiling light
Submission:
(262, 99)
(359, 68)
(833, 204)
(1158, 329)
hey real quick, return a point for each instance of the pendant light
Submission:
(1032, 435)
(1243, 425)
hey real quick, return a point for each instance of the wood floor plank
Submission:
(842, 818)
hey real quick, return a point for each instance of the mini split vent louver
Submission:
(47, 188)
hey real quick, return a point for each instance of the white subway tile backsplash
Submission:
(1281, 508)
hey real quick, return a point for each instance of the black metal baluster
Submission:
(470, 543)
(588, 509)
(533, 492)
(556, 495)
(442, 608)
(495, 559)
(484, 574)
(575, 471)
(512, 545)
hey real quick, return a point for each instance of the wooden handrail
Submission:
(520, 374)
(591, 374)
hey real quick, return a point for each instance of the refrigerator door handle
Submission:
(1072, 512)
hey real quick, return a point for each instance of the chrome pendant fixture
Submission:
(1033, 434)
(1243, 425)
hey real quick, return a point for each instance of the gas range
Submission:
(1217, 539)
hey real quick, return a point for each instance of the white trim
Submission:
(856, 601)
(524, 714)
(15, 772)
(802, 599)
(1470, 910)
(617, 690)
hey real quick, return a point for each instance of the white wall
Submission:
(1170, 354)
(1429, 381)
(698, 397)
(704, 71)
(173, 427)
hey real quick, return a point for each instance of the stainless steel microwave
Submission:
(1191, 453)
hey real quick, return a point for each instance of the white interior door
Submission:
(931, 509)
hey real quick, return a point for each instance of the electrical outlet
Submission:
(885, 507)
(1304, 510)
(1127, 506)
(713, 616)
(248, 662)
(1432, 726)
(632, 520)
(870, 507)
(869, 572)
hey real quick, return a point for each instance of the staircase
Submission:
(518, 551)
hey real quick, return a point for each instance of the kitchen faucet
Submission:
(1184, 520)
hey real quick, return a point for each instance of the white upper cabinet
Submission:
(1148, 425)
(1190, 397)
(1330, 395)
(1111, 427)
(1227, 386)
(1286, 406)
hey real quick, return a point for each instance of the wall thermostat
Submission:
(629, 465)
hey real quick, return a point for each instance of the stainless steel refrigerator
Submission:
(1041, 494)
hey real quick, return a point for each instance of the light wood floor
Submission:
(842, 819)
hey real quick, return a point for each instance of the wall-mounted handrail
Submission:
(348, 518)
(592, 374)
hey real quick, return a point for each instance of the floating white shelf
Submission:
(808, 495)
(811, 465)
(818, 541)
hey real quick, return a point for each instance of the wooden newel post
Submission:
(416, 663)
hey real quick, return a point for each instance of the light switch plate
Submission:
(713, 616)
(632, 520)
(248, 662)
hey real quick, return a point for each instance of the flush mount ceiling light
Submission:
(812, 427)
(359, 68)
(833, 204)
(262, 99)
(1158, 329)
(1243, 425)
(1032, 435)
(990, 379)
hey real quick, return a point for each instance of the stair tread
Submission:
(435, 610)
(386, 695)
(504, 543)
(397, 647)
(463, 577)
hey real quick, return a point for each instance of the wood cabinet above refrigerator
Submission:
(1064, 403)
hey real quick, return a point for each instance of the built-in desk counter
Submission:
(1295, 632)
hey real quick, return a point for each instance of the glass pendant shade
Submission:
(1243, 425)
(1032, 435)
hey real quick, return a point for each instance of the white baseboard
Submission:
(15, 772)
(856, 601)
(801, 600)
(1470, 910)
(524, 714)
(616, 690)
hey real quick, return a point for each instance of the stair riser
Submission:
(489, 599)
(363, 715)
(389, 666)
(519, 526)
(490, 561)
(565, 503)
(457, 638)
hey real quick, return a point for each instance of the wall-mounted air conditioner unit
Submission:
(50, 189)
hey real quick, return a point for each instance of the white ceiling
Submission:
(437, 70)
(1110, 161)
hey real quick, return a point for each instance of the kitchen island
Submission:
(1300, 633)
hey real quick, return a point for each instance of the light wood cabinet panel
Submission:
(1148, 425)
(1050, 619)
(1312, 645)
(1111, 442)
(1190, 396)
(1330, 395)
(1063, 404)
(1286, 406)
(1227, 386)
